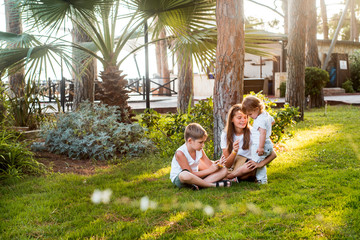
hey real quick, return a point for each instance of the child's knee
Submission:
(185, 176)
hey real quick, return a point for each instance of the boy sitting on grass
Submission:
(190, 167)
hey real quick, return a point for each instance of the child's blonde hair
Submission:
(194, 131)
(250, 103)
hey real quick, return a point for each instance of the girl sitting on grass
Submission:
(235, 145)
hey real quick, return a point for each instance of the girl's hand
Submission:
(251, 165)
(236, 146)
(222, 160)
(218, 162)
(214, 167)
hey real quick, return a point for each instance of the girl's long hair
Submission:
(230, 129)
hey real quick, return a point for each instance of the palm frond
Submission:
(13, 40)
(52, 13)
(34, 59)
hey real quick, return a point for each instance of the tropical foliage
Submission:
(15, 158)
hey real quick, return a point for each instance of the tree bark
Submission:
(186, 82)
(113, 93)
(13, 25)
(286, 15)
(158, 61)
(165, 74)
(158, 58)
(295, 87)
(354, 36)
(324, 19)
(84, 79)
(229, 73)
(312, 53)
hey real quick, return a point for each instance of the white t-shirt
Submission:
(193, 163)
(223, 144)
(264, 121)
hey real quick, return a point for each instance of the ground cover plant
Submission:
(16, 160)
(94, 131)
(313, 193)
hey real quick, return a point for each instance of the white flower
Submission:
(101, 196)
(208, 210)
(96, 196)
(146, 203)
(105, 197)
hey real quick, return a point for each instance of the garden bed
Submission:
(62, 164)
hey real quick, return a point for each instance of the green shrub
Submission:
(348, 86)
(315, 80)
(15, 159)
(167, 131)
(282, 89)
(354, 62)
(94, 132)
(284, 117)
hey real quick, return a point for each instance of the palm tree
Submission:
(98, 20)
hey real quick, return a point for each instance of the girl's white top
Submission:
(223, 144)
(264, 121)
(193, 163)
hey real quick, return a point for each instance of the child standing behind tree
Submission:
(190, 167)
(261, 146)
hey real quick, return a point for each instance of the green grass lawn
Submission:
(313, 192)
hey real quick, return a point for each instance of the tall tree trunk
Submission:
(165, 73)
(312, 52)
(13, 25)
(286, 15)
(84, 88)
(158, 60)
(295, 87)
(354, 36)
(186, 81)
(230, 52)
(324, 19)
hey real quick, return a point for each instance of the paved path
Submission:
(165, 104)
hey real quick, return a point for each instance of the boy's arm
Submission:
(262, 139)
(184, 164)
